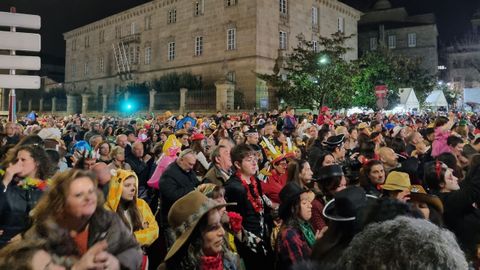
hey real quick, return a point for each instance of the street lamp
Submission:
(323, 60)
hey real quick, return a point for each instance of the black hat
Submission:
(250, 131)
(346, 204)
(329, 171)
(288, 195)
(335, 141)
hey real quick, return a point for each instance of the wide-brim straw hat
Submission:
(184, 216)
(397, 181)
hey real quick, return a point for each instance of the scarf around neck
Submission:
(307, 231)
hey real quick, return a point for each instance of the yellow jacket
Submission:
(149, 233)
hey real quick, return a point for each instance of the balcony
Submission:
(135, 38)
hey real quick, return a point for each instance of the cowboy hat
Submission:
(184, 216)
(346, 204)
(288, 195)
(418, 194)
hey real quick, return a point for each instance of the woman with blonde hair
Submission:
(75, 205)
(118, 159)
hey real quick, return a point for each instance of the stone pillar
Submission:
(4, 99)
(151, 105)
(183, 98)
(40, 106)
(19, 107)
(54, 105)
(29, 105)
(225, 95)
(104, 102)
(70, 104)
(85, 104)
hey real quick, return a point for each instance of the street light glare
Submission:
(323, 60)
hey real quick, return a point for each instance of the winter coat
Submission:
(215, 176)
(103, 225)
(460, 216)
(174, 184)
(15, 206)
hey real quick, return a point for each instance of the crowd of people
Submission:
(274, 190)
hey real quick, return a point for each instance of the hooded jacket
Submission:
(149, 233)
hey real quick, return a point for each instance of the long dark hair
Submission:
(294, 169)
(188, 256)
(365, 172)
(38, 153)
(131, 208)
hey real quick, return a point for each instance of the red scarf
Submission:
(211, 262)
(254, 198)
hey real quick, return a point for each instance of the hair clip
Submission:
(438, 168)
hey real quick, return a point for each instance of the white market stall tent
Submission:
(408, 99)
(436, 99)
(471, 97)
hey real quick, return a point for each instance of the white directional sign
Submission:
(20, 20)
(20, 41)
(19, 81)
(20, 62)
(17, 41)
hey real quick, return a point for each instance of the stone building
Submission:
(463, 59)
(213, 39)
(395, 29)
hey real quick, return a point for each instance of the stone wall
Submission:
(257, 24)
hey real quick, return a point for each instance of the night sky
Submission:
(59, 16)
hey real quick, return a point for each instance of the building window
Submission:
(198, 46)
(283, 6)
(101, 36)
(172, 16)
(85, 68)
(74, 44)
(148, 55)
(118, 31)
(148, 22)
(101, 64)
(412, 40)
(341, 25)
(198, 6)
(231, 39)
(134, 54)
(315, 16)
(87, 41)
(315, 46)
(74, 70)
(171, 51)
(392, 41)
(231, 76)
(283, 40)
(373, 43)
(229, 3)
(133, 28)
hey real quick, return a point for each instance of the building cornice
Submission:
(119, 17)
(342, 8)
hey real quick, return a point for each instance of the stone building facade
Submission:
(463, 59)
(213, 39)
(395, 29)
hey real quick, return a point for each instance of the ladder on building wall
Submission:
(122, 61)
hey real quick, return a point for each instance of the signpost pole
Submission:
(12, 110)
